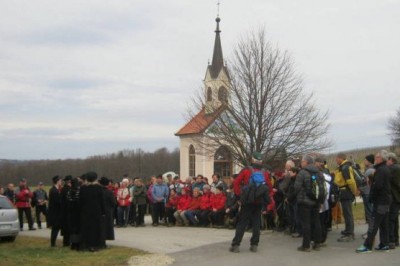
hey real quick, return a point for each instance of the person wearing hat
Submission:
(73, 208)
(65, 215)
(54, 210)
(92, 214)
(23, 197)
(249, 212)
(394, 168)
(110, 203)
(39, 201)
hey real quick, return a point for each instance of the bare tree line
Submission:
(131, 162)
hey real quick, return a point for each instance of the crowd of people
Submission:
(85, 210)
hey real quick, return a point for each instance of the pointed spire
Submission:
(218, 59)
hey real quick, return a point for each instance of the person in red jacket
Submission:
(124, 202)
(183, 205)
(23, 197)
(194, 207)
(217, 213)
(205, 207)
(170, 207)
(249, 212)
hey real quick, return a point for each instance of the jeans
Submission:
(367, 207)
(123, 215)
(190, 215)
(310, 223)
(248, 213)
(348, 216)
(379, 220)
(295, 225)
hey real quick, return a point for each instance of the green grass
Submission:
(37, 251)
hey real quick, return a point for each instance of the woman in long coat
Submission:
(110, 203)
(91, 199)
(74, 214)
(54, 212)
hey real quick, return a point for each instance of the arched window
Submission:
(209, 94)
(223, 94)
(223, 162)
(192, 161)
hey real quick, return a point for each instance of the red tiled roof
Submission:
(199, 123)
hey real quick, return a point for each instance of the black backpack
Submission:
(256, 191)
(316, 187)
(334, 194)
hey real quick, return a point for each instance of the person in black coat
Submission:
(381, 198)
(73, 209)
(91, 200)
(54, 211)
(64, 212)
(109, 203)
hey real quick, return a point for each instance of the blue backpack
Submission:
(256, 191)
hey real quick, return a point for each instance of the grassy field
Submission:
(37, 251)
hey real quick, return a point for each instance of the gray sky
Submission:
(80, 78)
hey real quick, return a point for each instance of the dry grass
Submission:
(37, 251)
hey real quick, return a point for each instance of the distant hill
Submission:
(5, 161)
(357, 155)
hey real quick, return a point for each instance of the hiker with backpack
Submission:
(310, 191)
(344, 179)
(253, 196)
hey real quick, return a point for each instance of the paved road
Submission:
(206, 246)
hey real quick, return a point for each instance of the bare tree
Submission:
(268, 109)
(394, 127)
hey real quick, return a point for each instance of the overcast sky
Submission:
(81, 78)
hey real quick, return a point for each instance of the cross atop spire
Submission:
(218, 59)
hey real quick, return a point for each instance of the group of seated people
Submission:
(193, 202)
